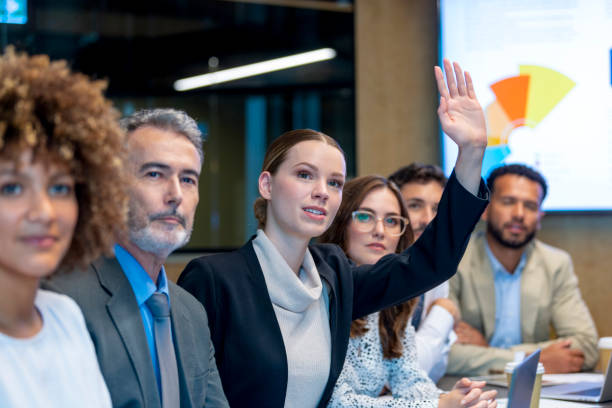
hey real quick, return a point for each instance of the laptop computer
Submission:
(582, 391)
(523, 381)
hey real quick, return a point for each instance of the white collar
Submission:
(287, 290)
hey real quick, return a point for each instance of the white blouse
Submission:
(57, 367)
(301, 312)
(365, 373)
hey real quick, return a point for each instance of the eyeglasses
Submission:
(365, 221)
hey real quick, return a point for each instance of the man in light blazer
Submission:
(512, 289)
(145, 364)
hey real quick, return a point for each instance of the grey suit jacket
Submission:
(550, 298)
(114, 322)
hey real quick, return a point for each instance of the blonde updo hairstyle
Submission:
(276, 155)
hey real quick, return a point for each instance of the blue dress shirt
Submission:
(143, 287)
(507, 302)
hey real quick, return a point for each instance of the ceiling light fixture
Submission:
(257, 68)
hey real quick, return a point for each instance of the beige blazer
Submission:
(550, 298)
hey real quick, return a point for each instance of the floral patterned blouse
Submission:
(365, 374)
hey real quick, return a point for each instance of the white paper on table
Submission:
(573, 378)
(550, 403)
(499, 380)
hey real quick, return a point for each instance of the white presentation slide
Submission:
(542, 73)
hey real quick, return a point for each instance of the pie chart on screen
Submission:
(522, 100)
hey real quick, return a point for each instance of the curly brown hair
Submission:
(64, 116)
(392, 321)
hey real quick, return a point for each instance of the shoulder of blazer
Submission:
(223, 263)
(184, 299)
(475, 254)
(231, 272)
(209, 270)
(331, 254)
(333, 265)
(550, 255)
(79, 283)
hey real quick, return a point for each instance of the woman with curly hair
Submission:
(372, 222)
(61, 200)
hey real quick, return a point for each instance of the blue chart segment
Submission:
(494, 155)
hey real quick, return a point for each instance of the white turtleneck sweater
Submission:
(302, 316)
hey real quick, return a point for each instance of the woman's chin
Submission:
(313, 230)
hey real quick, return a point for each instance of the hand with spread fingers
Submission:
(462, 119)
(460, 113)
(468, 393)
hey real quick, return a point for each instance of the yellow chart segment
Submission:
(547, 88)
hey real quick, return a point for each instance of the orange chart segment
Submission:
(511, 94)
(498, 124)
(547, 88)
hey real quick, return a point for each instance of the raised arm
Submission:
(462, 119)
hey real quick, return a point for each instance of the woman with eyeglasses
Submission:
(279, 308)
(373, 222)
(61, 200)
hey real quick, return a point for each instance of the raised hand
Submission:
(463, 121)
(460, 113)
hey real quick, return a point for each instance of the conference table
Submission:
(447, 382)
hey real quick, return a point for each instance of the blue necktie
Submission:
(168, 371)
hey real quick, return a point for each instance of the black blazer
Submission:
(113, 318)
(249, 346)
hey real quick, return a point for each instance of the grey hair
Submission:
(169, 119)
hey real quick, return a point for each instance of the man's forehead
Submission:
(148, 135)
(151, 145)
(516, 185)
(422, 190)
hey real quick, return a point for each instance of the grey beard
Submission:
(147, 241)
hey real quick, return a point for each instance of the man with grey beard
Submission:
(511, 288)
(151, 337)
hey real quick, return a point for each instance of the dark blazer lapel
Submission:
(330, 277)
(257, 279)
(267, 316)
(125, 314)
(182, 334)
(255, 273)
